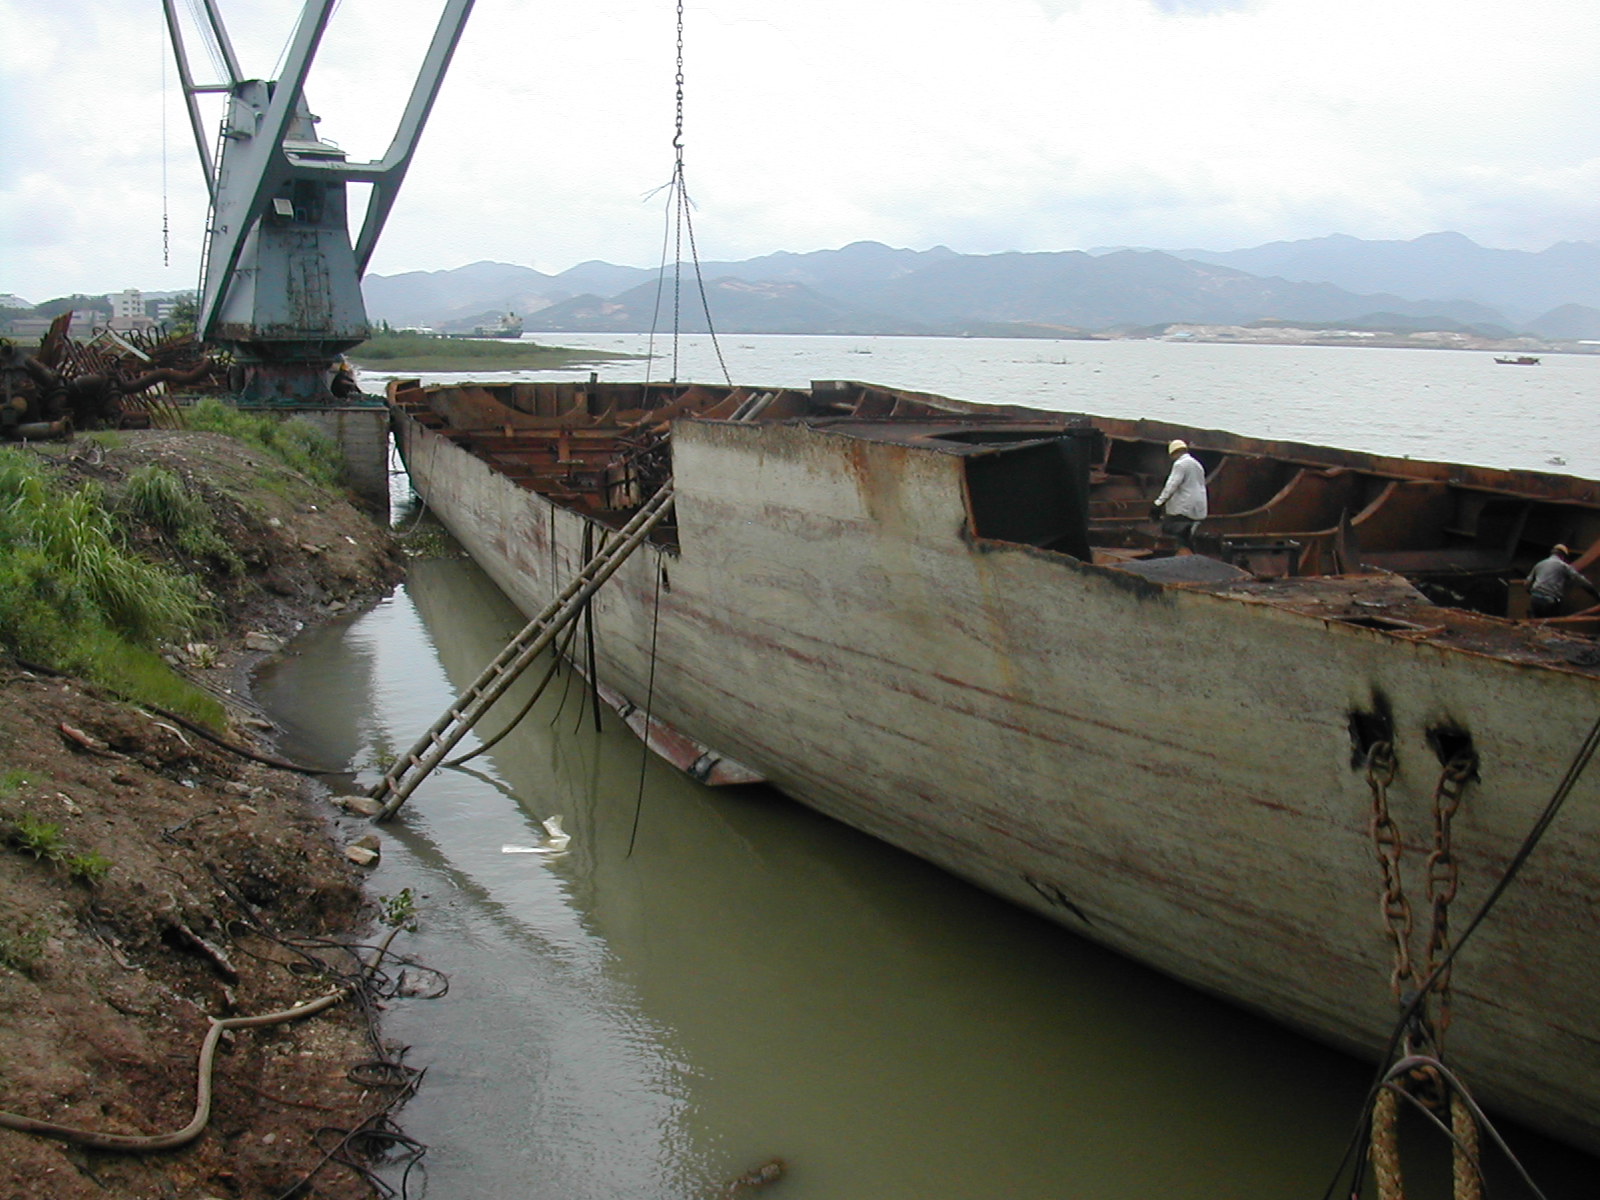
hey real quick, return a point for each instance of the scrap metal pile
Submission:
(115, 380)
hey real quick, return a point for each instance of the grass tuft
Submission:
(41, 839)
(291, 440)
(73, 596)
(159, 496)
(88, 867)
(22, 949)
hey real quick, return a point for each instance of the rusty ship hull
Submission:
(956, 628)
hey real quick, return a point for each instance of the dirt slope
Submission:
(150, 879)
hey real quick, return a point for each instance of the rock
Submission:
(361, 856)
(200, 654)
(265, 642)
(364, 806)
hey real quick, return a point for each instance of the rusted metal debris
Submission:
(114, 380)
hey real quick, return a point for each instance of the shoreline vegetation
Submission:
(410, 351)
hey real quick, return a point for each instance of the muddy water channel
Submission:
(707, 980)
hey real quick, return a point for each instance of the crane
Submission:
(280, 278)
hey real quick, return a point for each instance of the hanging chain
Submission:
(677, 136)
(166, 240)
(680, 193)
(1426, 1083)
(1396, 909)
(1444, 878)
(681, 225)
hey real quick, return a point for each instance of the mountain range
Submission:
(1441, 281)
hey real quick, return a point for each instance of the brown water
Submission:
(755, 981)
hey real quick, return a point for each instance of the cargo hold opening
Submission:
(1034, 492)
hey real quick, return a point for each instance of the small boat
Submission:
(956, 628)
(1518, 360)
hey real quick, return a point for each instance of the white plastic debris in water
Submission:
(555, 841)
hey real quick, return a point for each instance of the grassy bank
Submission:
(74, 596)
(105, 571)
(434, 352)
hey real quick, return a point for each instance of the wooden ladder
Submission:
(431, 748)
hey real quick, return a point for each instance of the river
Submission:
(1450, 405)
(710, 979)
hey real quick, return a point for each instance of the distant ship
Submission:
(1518, 360)
(509, 326)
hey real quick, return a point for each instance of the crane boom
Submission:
(281, 277)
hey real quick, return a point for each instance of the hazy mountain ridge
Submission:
(1522, 284)
(867, 287)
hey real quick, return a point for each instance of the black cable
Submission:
(649, 700)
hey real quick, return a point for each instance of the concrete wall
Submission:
(362, 434)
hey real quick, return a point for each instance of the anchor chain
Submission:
(1422, 1037)
(1444, 879)
(1393, 905)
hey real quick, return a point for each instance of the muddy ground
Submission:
(151, 879)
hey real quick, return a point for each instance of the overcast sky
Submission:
(982, 125)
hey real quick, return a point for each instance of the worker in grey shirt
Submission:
(1182, 503)
(1547, 582)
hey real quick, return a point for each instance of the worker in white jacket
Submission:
(1182, 503)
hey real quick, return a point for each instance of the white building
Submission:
(127, 310)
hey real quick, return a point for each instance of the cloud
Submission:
(1015, 124)
(1198, 8)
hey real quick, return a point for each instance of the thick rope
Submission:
(1384, 1147)
(1466, 1157)
(649, 701)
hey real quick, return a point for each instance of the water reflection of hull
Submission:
(948, 632)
